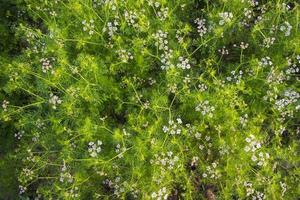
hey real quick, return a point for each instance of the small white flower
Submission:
(254, 158)
(183, 63)
(88, 26)
(5, 104)
(205, 108)
(268, 42)
(225, 17)
(266, 61)
(201, 26)
(94, 148)
(131, 18)
(124, 55)
(54, 100)
(286, 28)
(47, 64)
(19, 134)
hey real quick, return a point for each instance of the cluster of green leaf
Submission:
(149, 99)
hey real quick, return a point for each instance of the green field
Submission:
(150, 99)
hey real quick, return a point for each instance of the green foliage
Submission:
(115, 99)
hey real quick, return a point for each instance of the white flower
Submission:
(254, 158)
(94, 148)
(131, 18)
(47, 64)
(247, 148)
(244, 45)
(5, 103)
(205, 108)
(266, 61)
(286, 28)
(111, 28)
(183, 63)
(174, 128)
(19, 134)
(268, 42)
(198, 135)
(201, 147)
(153, 195)
(22, 189)
(88, 26)
(54, 100)
(225, 17)
(201, 26)
(163, 13)
(124, 55)
(179, 36)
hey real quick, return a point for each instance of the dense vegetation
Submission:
(149, 99)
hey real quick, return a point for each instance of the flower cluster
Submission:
(119, 149)
(251, 192)
(202, 87)
(286, 28)
(47, 64)
(162, 44)
(73, 193)
(183, 63)
(244, 45)
(167, 160)
(266, 61)
(94, 148)
(261, 158)
(179, 36)
(131, 18)
(5, 103)
(275, 77)
(223, 51)
(289, 97)
(116, 185)
(258, 157)
(65, 176)
(268, 42)
(19, 134)
(244, 120)
(88, 26)
(28, 173)
(212, 172)
(111, 28)
(161, 194)
(205, 108)
(208, 141)
(293, 66)
(54, 101)
(161, 40)
(226, 17)
(124, 55)
(22, 189)
(201, 26)
(253, 144)
(248, 13)
(174, 128)
(163, 13)
(254, 14)
(235, 77)
(166, 59)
